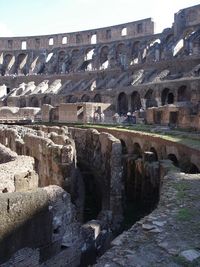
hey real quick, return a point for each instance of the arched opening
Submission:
(94, 39)
(8, 63)
(182, 94)
(124, 147)
(193, 169)
(97, 98)
(169, 39)
(122, 103)
(87, 64)
(135, 52)
(7, 90)
(120, 50)
(21, 62)
(174, 159)
(152, 149)
(135, 101)
(135, 49)
(51, 41)
(22, 103)
(64, 40)
(150, 100)
(61, 56)
(170, 98)
(70, 99)
(104, 56)
(34, 102)
(188, 167)
(85, 98)
(167, 97)
(89, 53)
(23, 45)
(124, 32)
(78, 39)
(46, 100)
(75, 53)
(75, 56)
(137, 150)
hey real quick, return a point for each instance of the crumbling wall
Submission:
(17, 172)
(36, 221)
(54, 154)
(101, 153)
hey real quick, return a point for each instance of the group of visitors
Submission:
(98, 117)
(128, 118)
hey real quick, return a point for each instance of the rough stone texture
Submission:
(54, 160)
(166, 237)
(130, 69)
(101, 154)
(17, 172)
(23, 217)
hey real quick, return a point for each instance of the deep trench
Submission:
(142, 184)
(141, 196)
(92, 194)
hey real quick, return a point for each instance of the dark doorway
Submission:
(122, 103)
(170, 98)
(135, 101)
(158, 117)
(173, 118)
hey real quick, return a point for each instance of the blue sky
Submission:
(38, 17)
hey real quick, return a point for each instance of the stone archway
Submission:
(34, 102)
(167, 97)
(97, 98)
(22, 103)
(122, 103)
(150, 100)
(170, 98)
(46, 100)
(70, 99)
(85, 98)
(182, 94)
(174, 159)
(135, 101)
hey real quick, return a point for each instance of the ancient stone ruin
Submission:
(100, 146)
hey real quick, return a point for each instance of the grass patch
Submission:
(184, 214)
(173, 136)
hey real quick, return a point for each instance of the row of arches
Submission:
(35, 102)
(185, 165)
(168, 96)
(84, 98)
(121, 53)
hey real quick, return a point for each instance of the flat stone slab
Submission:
(190, 254)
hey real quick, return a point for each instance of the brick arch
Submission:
(122, 103)
(46, 100)
(34, 102)
(135, 101)
(183, 94)
(85, 98)
(71, 99)
(104, 54)
(97, 98)
(167, 96)
(150, 99)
